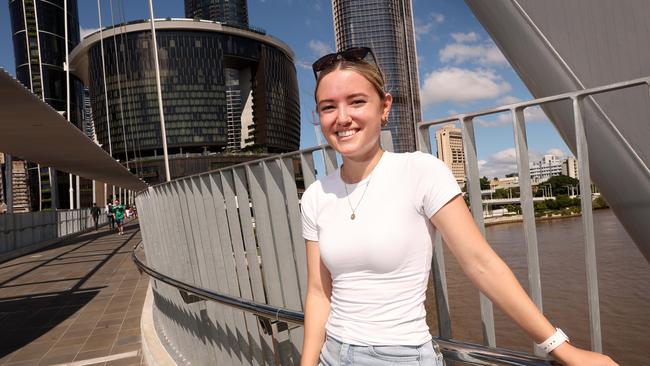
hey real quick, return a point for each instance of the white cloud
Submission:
(508, 99)
(437, 17)
(465, 37)
(304, 64)
(498, 164)
(422, 29)
(319, 48)
(531, 114)
(483, 54)
(504, 162)
(555, 151)
(452, 84)
(83, 32)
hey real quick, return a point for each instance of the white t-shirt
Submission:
(380, 261)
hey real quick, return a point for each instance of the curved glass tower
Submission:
(226, 91)
(386, 26)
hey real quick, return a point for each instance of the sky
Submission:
(460, 68)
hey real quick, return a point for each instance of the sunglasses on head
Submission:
(354, 54)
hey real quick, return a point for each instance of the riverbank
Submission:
(489, 221)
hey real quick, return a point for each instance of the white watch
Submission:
(553, 341)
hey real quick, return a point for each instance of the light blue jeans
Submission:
(335, 353)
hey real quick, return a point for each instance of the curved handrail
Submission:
(452, 349)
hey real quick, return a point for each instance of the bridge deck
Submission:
(78, 303)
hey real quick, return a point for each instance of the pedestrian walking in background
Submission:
(94, 212)
(119, 210)
(110, 215)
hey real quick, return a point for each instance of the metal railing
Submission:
(577, 99)
(273, 319)
(21, 231)
(233, 236)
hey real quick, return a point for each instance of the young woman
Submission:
(368, 230)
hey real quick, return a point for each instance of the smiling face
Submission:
(351, 112)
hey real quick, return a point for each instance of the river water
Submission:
(624, 287)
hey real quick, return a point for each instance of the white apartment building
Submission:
(552, 165)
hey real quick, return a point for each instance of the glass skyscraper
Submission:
(231, 12)
(38, 30)
(226, 91)
(386, 26)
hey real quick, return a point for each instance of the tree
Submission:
(559, 184)
(485, 183)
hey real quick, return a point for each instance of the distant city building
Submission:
(449, 140)
(552, 165)
(88, 123)
(38, 29)
(386, 26)
(231, 12)
(504, 183)
(225, 90)
(570, 167)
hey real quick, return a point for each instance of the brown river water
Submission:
(623, 281)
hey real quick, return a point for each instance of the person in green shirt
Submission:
(118, 210)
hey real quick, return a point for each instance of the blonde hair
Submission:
(370, 72)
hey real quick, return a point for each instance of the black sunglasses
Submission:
(354, 54)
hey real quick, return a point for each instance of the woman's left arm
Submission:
(495, 279)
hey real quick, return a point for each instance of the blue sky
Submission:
(460, 68)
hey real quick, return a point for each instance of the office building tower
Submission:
(38, 29)
(449, 140)
(231, 12)
(87, 116)
(226, 91)
(570, 167)
(542, 170)
(386, 26)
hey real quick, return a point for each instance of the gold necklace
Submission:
(347, 194)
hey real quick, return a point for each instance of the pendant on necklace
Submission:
(352, 216)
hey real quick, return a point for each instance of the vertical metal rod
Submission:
(163, 133)
(108, 118)
(424, 142)
(527, 209)
(588, 226)
(9, 172)
(78, 193)
(476, 204)
(70, 191)
(66, 67)
(119, 87)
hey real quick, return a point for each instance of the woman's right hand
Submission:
(569, 355)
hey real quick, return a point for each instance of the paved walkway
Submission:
(78, 303)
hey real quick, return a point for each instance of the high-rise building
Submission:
(231, 12)
(38, 29)
(386, 26)
(228, 94)
(449, 140)
(570, 167)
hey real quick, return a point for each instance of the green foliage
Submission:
(514, 208)
(599, 202)
(506, 193)
(485, 183)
